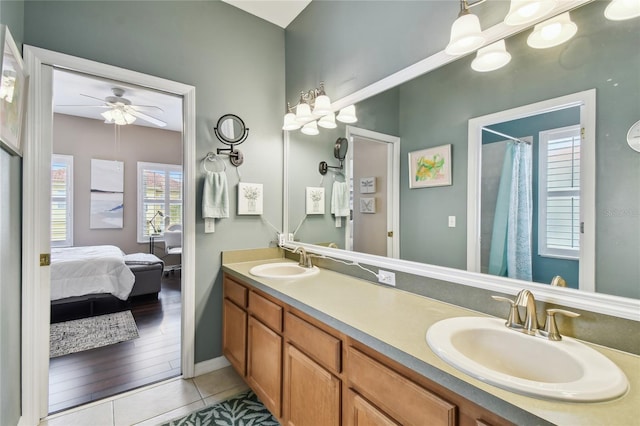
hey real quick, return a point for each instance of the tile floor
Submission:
(155, 404)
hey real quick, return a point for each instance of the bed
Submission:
(92, 271)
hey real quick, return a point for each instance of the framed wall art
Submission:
(368, 185)
(367, 205)
(250, 198)
(107, 194)
(315, 200)
(13, 93)
(430, 167)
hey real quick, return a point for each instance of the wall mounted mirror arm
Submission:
(231, 131)
(340, 152)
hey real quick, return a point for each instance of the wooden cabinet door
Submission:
(234, 335)
(312, 394)
(360, 412)
(264, 365)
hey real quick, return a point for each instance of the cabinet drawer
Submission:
(235, 292)
(268, 312)
(405, 401)
(318, 344)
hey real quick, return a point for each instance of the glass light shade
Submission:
(290, 122)
(553, 32)
(303, 112)
(311, 128)
(491, 58)
(526, 11)
(322, 105)
(118, 116)
(620, 10)
(347, 114)
(328, 121)
(466, 35)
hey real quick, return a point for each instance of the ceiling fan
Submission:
(120, 110)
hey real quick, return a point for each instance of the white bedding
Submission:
(78, 271)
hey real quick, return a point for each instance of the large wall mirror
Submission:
(436, 108)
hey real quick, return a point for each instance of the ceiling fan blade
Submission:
(157, 108)
(92, 97)
(84, 106)
(146, 117)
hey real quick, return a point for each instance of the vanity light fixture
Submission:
(466, 34)
(552, 32)
(314, 109)
(491, 58)
(525, 11)
(620, 10)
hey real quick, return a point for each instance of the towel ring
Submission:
(213, 158)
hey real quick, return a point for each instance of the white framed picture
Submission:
(368, 185)
(250, 198)
(315, 200)
(107, 194)
(367, 205)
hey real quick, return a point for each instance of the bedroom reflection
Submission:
(115, 280)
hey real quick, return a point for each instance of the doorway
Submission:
(37, 204)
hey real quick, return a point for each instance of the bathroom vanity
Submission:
(330, 349)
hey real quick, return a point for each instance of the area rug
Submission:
(244, 409)
(88, 333)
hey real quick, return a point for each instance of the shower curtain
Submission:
(510, 252)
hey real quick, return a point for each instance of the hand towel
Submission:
(215, 195)
(340, 201)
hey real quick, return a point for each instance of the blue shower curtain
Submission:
(510, 252)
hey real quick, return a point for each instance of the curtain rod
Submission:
(505, 135)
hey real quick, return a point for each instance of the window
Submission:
(61, 200)
(559, 193)
(159, 190)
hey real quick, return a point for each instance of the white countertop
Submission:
(395, 322)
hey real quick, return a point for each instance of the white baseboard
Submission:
(210, 365)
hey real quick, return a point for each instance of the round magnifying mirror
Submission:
(633, 136)
(231, 129)
(340, 148)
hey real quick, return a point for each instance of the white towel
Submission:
(215, 195)
(340, 199)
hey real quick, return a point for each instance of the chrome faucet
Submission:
(525, 298)
(305, 259)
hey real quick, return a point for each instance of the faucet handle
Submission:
(513, 321)
(551, 328)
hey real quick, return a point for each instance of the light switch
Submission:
(452, 221)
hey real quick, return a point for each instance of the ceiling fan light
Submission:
(620, 10)
(328, 121)
(491, 58)
(347, 114)
(322, 105)
(552, 32)
(290, 122)
(311, 128)
(466, 35)
(526, 11)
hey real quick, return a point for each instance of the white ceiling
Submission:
(279, 12)
(68, 88)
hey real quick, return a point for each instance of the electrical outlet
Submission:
(281, 239)
(209, 225)
(452, 221)
(386, 277)
(290, 236)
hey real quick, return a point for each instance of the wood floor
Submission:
(83, 377)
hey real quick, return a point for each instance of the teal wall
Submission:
(11, 14)
(435, 110)
(544, 268)
(236, 63)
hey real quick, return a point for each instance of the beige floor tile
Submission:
(173, 414)
(217, 381)
(97, 415)
(221, 396)
(154, 401)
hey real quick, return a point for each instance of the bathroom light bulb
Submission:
(290, 122)
(466, 35)
(328, 121)
(322, 105)
(553, 32)
(526, 11)
(347, 114)
(620, 10)
(491, 58)
(311, 128)
(303, 112)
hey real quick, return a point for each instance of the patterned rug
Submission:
(241, 410)
(88, 333)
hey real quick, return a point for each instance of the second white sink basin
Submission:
(282, 270)
(565, 370)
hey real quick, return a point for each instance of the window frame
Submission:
(67, 160)
(543, 194)
(141, 223)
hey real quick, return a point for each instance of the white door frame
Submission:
(393, 185)
(36, 204)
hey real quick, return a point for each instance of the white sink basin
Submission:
(564, 370)
(282, 270)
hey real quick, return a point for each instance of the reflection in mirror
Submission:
(434, 109)
(231, 130)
